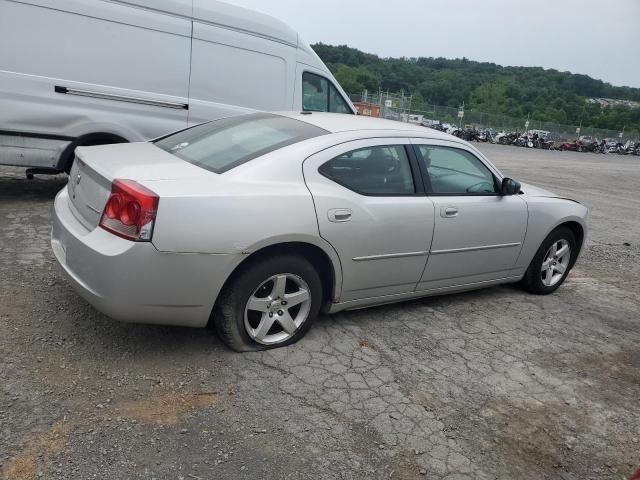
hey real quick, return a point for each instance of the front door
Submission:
(478, 233)
(371, 212)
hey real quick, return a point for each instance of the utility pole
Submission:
(579, 128)
(581, 115)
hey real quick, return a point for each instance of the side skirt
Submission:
(375, 301)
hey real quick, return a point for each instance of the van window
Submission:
(220, 145)
(336, 102)
(319, 95)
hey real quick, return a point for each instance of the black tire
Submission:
(532, 280)
(68, 155)
(228, 315)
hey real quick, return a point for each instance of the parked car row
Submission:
(537, 139)
(607, 145)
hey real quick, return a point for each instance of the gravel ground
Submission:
(492, 384)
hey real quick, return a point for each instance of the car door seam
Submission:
(315, 211)
(526, 231)
(433, 233)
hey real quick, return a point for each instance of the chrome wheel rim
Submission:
(555, 263)
(277, 309)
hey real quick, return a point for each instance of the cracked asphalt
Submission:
(491, 384)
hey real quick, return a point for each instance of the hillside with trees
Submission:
(545, 94)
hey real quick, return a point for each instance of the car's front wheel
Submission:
(269, 303)
(552, 262)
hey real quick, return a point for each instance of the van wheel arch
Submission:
(88, 140)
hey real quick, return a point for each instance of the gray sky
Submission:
(596, 37)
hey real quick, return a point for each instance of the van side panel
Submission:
(91, 46)
(98, 43)
(232, 72)
(243, 20)
(183, 8)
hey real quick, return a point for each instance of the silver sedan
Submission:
(255, 223)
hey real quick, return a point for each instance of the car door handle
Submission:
(449, 212)
(339, 215)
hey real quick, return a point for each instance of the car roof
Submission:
(340, 122)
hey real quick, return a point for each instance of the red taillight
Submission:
(130, 211)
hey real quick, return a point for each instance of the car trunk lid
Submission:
(96, 167)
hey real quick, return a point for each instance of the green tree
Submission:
(547, 95)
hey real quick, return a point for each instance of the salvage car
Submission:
(256, 223)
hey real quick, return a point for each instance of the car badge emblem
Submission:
(78, 178)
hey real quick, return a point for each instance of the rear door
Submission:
(478, 233)
(371, 210)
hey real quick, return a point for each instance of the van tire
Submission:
(92, 139)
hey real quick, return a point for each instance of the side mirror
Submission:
(509, 187)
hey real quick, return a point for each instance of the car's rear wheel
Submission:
(552, 262)
(270, 303)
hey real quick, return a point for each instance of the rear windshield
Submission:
(220, 145)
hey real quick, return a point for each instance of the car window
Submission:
(380, 170)
(455, 171)
(223, 144)
(319, 95)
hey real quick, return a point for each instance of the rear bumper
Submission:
(133, 281)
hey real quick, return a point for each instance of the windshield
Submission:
(223, 144)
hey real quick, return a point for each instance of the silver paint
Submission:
(208, 224)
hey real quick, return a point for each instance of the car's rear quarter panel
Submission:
(132, 281)
(234, 213)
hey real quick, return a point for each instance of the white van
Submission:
(89, 72)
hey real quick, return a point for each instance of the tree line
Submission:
(544, 94)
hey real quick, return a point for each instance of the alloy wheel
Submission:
(277, 309)
(555, 262)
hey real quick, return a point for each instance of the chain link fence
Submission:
(401, 108)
